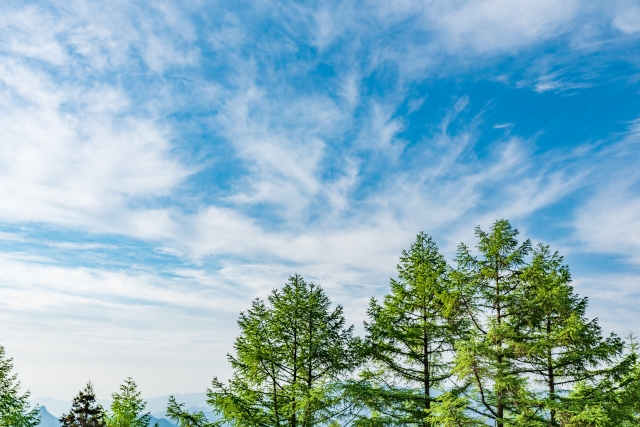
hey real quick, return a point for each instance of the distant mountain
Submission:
(46, 419)
(159, 403)
(211, 416)
(157, 406)
(55, 407)
(162, 422)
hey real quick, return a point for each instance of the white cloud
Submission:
(613, 299)
(609, 220)
(627, 18)
(74, 155)
(65, 325)
(501, 25)
(32, 33)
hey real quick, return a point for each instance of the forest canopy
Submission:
(499, 337)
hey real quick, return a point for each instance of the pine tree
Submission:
(292, 356)
(410, 339)
(127, 408)
(490, 285)
(14, 408)
(85, 411)
(560, 346)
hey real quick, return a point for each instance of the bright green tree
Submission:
(185, 418)
(611, 400)
(14, 408)
(127, 408)
(410, 339)
(291, 359)
(85, 411)
(560, 347)
(490, 283)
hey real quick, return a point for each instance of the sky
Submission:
(164, 163)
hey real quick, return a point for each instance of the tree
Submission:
(184, 418)
(14, 408)
(127, 407)
(560, 347)
(85, 411)
(410, 339)
(611, 400)
(490, 285)
(292, 357)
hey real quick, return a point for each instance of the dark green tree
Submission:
(292, 357)
(14, 408)
(127, 408)
(410, 339)
(85, 411)
(490, 284)
(560, 347)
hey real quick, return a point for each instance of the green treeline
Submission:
(498, 338)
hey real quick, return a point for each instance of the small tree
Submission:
(85, 411)
(292, 357)
(127, 407)
(14, 408)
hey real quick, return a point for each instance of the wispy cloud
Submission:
(609, 219)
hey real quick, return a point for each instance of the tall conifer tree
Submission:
(490, 285)
(611, 401)
(410, 339)
(560, 347)
(292, 356)
(14, 408)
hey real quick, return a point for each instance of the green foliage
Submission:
(559, 345)
(450, 410)
(184, 418)
(610, 401)
(127, 407)
(487, 361)
(292, 356)
(409, 338)
(14, 408)
(85, 411)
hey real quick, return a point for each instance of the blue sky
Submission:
(164, 163)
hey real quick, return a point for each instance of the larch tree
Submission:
(558, 346)
(490, 284)
(184, 418)
(291, 359)
(410, 339)
(14, 407)
(85, 411)
(613, 400)
(127, 407)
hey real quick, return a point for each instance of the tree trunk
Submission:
(551, 373)
(427, 379)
